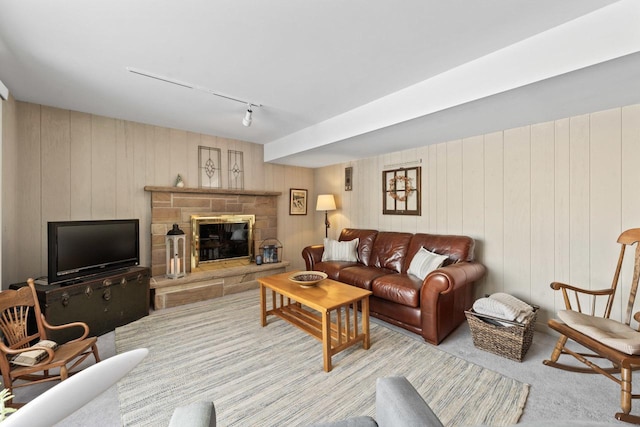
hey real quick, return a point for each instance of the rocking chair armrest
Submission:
(556, 286)
(83, 325)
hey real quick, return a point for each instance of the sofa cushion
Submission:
(340, 251)
(361, 276)
(400, 288)
(424, 262)
(365, 246)
(332, 268)
(390, 250)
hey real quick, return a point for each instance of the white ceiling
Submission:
(338, 80)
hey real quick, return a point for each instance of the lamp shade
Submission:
(326, 202)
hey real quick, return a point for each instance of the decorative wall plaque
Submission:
(236, 170)
(209, 167)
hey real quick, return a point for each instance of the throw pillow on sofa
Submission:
(424, 262)
(340, 251)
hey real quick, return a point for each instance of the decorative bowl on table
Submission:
(307, 279)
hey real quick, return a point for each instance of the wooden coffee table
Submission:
(333, 318)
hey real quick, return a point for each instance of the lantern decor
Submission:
(270, 251)
(175, 243)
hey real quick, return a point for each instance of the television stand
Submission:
(103, 301)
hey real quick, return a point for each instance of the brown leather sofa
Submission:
(432, 307)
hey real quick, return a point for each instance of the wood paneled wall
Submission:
(545, 202)
(72, 165)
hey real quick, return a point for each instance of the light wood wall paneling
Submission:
(422, 222)
(103, 169)
(136, 134)
(124, 171)
(630, 171)
(150, 151)
(542, 215)
(11, 235)
(494, 236)
(579, 201)
(517, 212)
(432, 188)
(562, 205)
(367, 211)
(630, 134)
(162, 145)
(179, 154)
(80, 165)
(473, 196)
(441, 189)
(32, 256)
(190, 174)
(605, 201)
(454, 187)
(56, 179)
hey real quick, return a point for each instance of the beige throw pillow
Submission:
(340, 251)
(424, 262)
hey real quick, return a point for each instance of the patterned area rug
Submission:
(273, 376)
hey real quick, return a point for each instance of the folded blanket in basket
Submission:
(503, 306)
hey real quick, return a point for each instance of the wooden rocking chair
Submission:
(606, 338)
(15, 308)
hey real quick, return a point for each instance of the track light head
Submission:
(247, 117)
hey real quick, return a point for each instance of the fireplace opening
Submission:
(221, 238)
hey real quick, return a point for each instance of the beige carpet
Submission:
(273, 376)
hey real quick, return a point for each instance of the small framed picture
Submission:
(348, 176)
(297, 201)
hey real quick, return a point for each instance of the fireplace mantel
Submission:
(220, 191)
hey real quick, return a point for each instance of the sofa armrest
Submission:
(399, 404)
(447, 279)
(197, 414)
(446, 293)
(312, 255)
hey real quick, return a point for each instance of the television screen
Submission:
(82, 248)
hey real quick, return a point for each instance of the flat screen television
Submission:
(85, 248)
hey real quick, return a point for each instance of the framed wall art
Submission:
(297, 201)
(401, 191)
(236, 170)
(209, 167)
(348, 178)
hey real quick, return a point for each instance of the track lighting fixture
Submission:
(247, 116)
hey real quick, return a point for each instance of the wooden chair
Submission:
(604, 337)
(20, 337)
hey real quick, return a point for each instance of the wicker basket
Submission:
(511, 341)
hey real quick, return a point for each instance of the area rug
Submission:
(272, 376)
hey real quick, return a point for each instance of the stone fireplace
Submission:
(216, 277)
(174, 205)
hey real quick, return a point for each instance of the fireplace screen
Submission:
(221, 238)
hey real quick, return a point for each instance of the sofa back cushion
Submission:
(457, 248)
(365, 246)
(390, 250)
